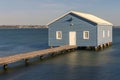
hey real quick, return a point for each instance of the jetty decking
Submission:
(26, 56)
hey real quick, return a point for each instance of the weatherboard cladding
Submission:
(79, 25)
(106, 39)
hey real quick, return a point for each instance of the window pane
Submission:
(86, 35)
(58, 35)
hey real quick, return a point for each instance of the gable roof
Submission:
(89, 17)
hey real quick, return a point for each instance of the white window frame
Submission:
(57, 34)
(108, 33)
(103, 33)
(84, 34)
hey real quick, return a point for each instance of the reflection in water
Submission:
(17, 76)
(77, 65)
(89, 58)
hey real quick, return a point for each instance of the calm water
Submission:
(14, 41)
(78, 65)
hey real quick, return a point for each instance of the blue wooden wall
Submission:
(79, 25)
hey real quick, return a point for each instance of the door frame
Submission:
(72, 38)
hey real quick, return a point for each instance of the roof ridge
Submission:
(90, 17)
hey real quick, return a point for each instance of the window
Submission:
(58, 34)
(103, 33)
(108, 33)
(86, 35)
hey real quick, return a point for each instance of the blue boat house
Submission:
(79, 29)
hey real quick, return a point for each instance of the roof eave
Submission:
(58, 18)
(102, 24)
(105, 24)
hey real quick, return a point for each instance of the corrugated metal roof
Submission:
(89, 17)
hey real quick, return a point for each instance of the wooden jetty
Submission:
(4, 61)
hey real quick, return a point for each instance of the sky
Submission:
(41, 12)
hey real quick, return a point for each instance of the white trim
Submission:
(108, 33)
(72, 38)
(58, 18)
(58, 34)
(84, 34)
(89, 17)
(103, 32)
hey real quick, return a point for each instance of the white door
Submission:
(72, 38)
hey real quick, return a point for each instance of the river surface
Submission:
(77, 65)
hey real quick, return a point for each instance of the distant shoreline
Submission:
(22, 26)
(116, 26)
(29, 26)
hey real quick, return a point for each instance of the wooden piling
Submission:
(63, 52)
(88, 47)
(26, 61)
(104, 45)
(5, 66)
(110, 43)
(107, 44)
(100, 47)
(41, 57)
(96, 48)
